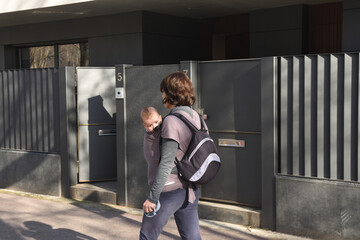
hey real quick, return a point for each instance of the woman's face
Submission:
(167, 105)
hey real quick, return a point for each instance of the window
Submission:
(58, 55)
(73, 55)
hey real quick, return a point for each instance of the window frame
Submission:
(56, 49)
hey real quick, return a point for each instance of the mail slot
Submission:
(107, 132)
(231, 143)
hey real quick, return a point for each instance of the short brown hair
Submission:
(146, 112)
(178, 89)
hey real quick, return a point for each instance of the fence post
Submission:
(68, 136)
(2, 57)
(192, 70)
(269, 143)
(121, 154)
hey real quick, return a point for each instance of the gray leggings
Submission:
(185, 213)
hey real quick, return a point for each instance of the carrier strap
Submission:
(188, 123)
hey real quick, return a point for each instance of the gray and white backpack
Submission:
(201, 162)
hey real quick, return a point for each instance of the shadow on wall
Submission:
(97, 143)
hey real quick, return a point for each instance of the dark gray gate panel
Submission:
(99, 143)
(320, 128)
(96, 124)
(142, 89)
(285, 112)
(222, 84)
(349, 111)
(297, 97)
(269, 139)
(34, 105)
(230, 96)
(323, 98)
(120, 82)
(67, 128)
(29, 109)
(336, 66)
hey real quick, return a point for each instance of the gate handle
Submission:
(107, 132)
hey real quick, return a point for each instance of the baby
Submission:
(152, 144)
(151, 120)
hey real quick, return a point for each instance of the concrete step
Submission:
(229, 213)
(105, 192)
(102, 192)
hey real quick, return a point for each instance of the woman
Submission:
(182, 200)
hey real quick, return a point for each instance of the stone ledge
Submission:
(229, 213)
(90, 193)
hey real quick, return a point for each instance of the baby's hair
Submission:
(146, 112)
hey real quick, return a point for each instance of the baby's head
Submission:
(150, 118)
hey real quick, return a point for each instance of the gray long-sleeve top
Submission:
(169, 149)
(168, 152)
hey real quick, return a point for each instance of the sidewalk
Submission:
(32, 216)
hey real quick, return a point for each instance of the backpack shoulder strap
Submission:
(186, 121)
(202, 123)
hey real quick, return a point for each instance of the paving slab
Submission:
(40, 217)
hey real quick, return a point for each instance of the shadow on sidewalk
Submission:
(42, 231)
(106, 211)
(208, 232)
(7, 232)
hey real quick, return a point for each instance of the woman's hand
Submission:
(148, 206)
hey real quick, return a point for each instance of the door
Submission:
(231, 100)
(142, 89)
(96, 124)
(229, 94)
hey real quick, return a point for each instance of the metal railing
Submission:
(29, 110)
(319, 116)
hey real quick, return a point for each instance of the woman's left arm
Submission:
(169, 149)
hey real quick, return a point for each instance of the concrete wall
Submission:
(351, 25)
(277, 31)
(325, 27)
(169, 39)
(132, 38)
(317, 208)
(84, 28)
(2, 57)
(225, 37)
(149, 38)
(111, 38)
(36, 156)
(30, 172)
(110, 50)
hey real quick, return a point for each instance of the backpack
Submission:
(201, 162)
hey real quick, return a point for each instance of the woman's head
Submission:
(177, 90)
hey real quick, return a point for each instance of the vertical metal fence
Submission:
(319, 116)
(29, 110)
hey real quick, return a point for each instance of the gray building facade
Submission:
(308, 175)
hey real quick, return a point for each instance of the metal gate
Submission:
(142, 88)
(229, 93)
(96, 124)
(231, 100)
